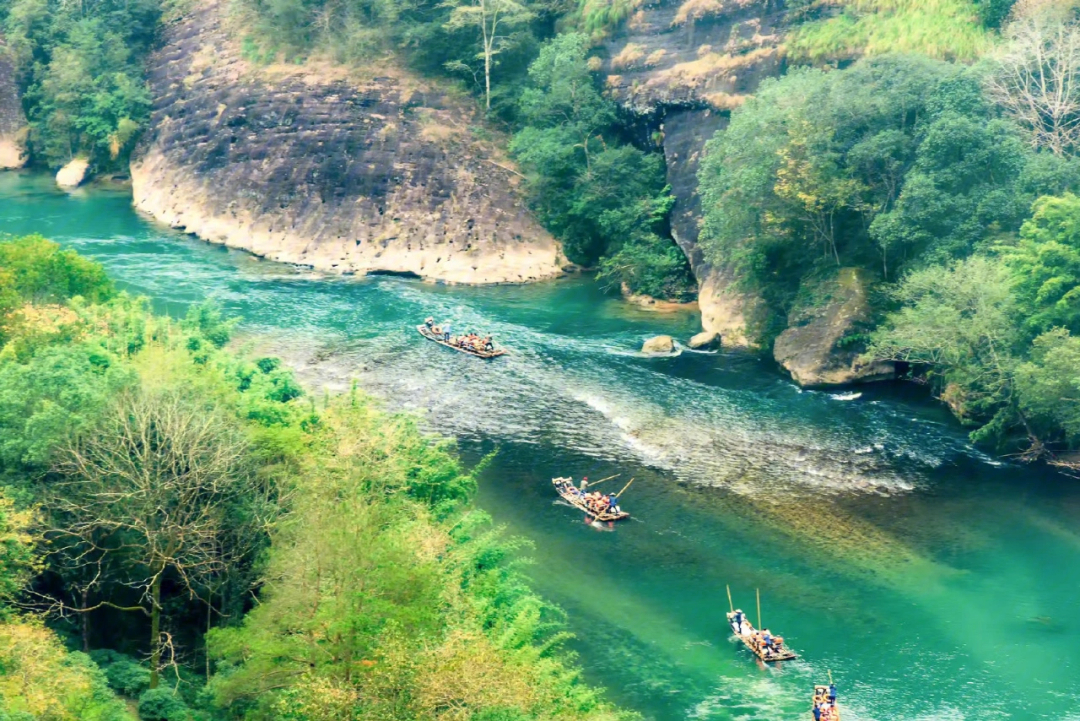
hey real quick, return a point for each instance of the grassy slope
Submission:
(944, 29)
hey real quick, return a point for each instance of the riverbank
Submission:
(344, 169)
(934, 581)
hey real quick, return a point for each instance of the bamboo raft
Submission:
(423, 329)
(821, 694)
(783, 653)
(576, 501)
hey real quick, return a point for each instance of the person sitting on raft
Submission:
(489, 346)
(429, 322)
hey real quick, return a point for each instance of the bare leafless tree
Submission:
(153, 484)
(1036, 78)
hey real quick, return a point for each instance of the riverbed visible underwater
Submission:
(933, 580)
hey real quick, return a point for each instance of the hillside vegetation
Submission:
(943, 29)
(953, 185)
(181, 527)
(81, 72)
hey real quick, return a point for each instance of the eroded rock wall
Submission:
(316, 166)
(821, 346)
(12, 120)
(688, 63)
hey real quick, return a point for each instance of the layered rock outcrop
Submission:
(73, 174)
(684, 65)
(12, 120)
(705, 340)
(821, 345)
(316, 166)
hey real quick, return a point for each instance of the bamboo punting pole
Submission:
(605, 479)
(830, 677)
(758, 591)
(729, 599)
(624, 488)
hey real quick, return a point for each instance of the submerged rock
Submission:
(705, 340)
(12, 120)
(821, 346)
(73, 174)
(659, 344)
(344, 170)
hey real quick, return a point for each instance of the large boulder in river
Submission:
(12, 120)
(346, 170)
(705, 340)
(659, 344)
(821, 345)
(73, 174)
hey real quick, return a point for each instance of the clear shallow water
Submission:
(935, 582)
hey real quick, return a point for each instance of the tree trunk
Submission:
(209, 611)
(487, 78)
(155, 630)
(85, 618)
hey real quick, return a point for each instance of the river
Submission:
(934, 581)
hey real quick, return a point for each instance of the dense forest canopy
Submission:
(181, 527)
(952, 185)
(81, 70)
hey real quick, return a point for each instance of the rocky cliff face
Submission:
(684, 65)
(820, 346)
(316, 166)
(12, 120)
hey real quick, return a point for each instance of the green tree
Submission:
(17, 560)
(1046, 265)
(605, 200)
(889, 165)
(1048, 387)
(80, 69)
(960, 321)
(39, 271)
(811, 180)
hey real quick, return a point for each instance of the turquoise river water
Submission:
(934, 581)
